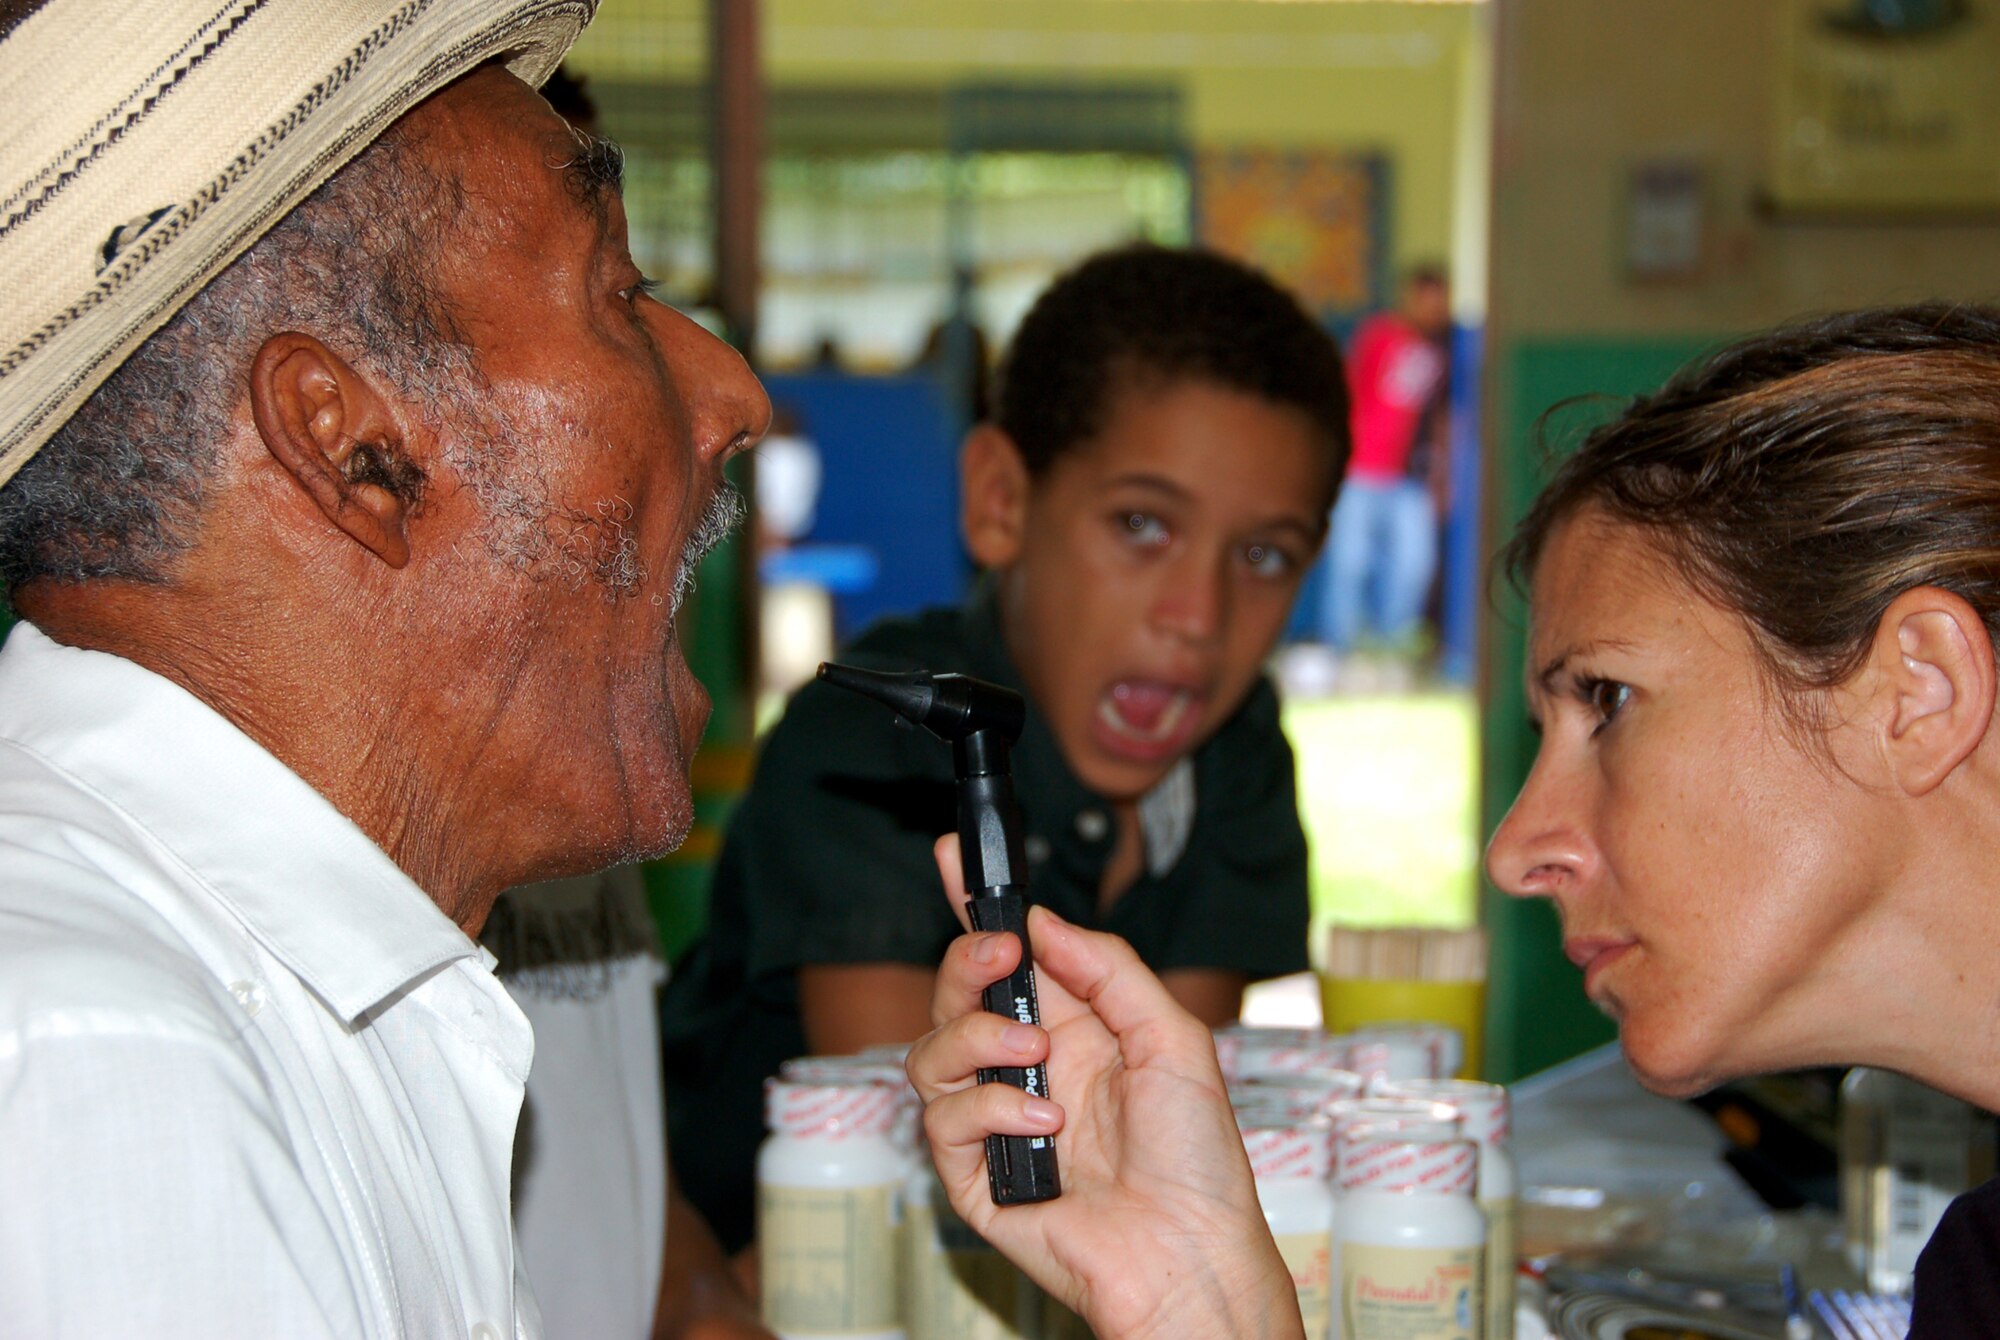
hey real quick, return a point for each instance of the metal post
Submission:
(736, 143)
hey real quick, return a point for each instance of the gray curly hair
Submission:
(117, 492)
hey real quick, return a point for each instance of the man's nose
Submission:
(732, 409)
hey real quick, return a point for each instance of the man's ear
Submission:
(993, 496)
(339, 439)
(1933, 685)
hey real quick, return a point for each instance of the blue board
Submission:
(889, 450)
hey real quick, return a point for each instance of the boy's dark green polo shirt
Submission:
(828, 860)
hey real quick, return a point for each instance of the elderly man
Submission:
(350, 595)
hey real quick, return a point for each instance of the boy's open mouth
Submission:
(1147, 718)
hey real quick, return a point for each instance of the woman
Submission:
(1767, 804)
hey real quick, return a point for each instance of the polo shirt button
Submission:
(1036, 848)
(1091, 825)
(484, 1332)
(250, 995)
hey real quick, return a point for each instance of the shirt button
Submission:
(1036, 848)
(1091, 825)
(484, 1332)
(250, 995)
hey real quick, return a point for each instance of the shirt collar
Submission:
(296, 873)
(1072, 819)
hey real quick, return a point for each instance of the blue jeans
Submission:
(1381, 557)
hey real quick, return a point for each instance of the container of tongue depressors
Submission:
(829, 1211)
(1410, 1241)
(1352, 1004)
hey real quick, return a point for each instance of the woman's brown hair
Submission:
(1806, 477)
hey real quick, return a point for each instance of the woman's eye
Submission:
(1142, 528)
(1268, 560)
(1607, 697)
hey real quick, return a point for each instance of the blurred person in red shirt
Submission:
(1383, 549)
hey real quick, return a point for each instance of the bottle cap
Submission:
(1483, 1108)
(829, 1111)
(1284, 1150)
(1411, 1167)
(1379, 1117)
(1278, 1051)
(1306, 1096)
(845, 1070)
(1394, 1052)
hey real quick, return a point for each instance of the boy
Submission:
(1170, 432)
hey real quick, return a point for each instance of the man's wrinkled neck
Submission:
(327, 706)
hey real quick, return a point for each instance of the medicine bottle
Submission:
(1410, 1241)
(829, 1211)
(1906, 1151)
(955, 1285)
(1292, 1162)
(1484, 1111)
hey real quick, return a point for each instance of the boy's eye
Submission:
(1145, 529)
(1268, 560)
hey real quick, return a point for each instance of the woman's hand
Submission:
(1157, 1231)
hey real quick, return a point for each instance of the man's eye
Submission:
(1268, 560)
(1607, 697)
(645, 288)
(1142, 528)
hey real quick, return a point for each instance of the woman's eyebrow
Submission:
(1549, 672)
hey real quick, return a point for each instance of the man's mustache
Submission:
(725, 511)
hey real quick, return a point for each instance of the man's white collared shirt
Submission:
(253, 1082)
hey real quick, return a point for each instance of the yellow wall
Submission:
(1587, 89)
(1348, 75)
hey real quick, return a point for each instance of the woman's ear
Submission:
(1933, 685)
(994, 485)
(339, 440)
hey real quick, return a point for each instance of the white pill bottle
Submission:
(955, 1285)
(829, 1211)
(1485, 1113)
(1292, 1161)
(1410, 1241)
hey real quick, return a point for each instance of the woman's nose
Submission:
(1542, 846)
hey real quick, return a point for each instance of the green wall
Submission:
(1536, 1012)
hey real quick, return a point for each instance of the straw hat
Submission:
(149, 144)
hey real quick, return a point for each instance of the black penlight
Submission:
(983, 722)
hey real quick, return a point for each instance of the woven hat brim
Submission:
(157, 142)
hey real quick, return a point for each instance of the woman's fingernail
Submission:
(1018, 1038)
(1052, 916)
(1041, 1111)
(985, 948)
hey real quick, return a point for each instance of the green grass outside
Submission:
(1388, 791)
